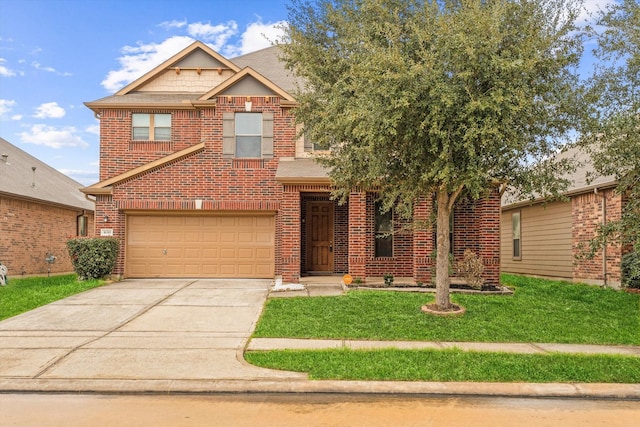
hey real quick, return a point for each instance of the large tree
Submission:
(614, 140)
(437, 99)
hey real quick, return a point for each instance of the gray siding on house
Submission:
(545, 238)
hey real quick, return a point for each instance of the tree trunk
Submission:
(442, 255)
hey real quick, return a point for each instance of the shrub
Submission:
(388, 280)
(471, 268)
(93, 258)
(631, 270)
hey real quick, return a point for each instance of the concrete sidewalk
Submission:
(189, 336)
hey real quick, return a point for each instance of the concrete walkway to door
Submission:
(137, 335)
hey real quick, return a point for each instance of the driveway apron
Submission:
(152, 329)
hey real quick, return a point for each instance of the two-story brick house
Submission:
(203, 175)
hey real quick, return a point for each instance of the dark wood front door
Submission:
(320, 237)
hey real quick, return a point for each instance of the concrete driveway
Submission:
(153, 334)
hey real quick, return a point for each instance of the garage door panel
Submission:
(200, 246)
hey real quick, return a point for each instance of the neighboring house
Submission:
(203, 175)
(41, 209)
(546, 239)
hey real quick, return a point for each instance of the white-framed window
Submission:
(383, 231)
(248, 135)
(151, 127)
(516, 235)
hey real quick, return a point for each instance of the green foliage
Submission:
(93, 258)
(388, 280)
(613, 139)
(24, 294)
(631, 270)
(539, 311)
(451, 365)
(422, 97)
(471, 268)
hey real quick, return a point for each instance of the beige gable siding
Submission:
(546, 241)
(187, 81)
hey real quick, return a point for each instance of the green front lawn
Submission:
(22, 295)
(539, 311)
(451, 365)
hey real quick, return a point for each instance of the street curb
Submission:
(515, 390)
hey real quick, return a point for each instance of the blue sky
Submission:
(57, 54)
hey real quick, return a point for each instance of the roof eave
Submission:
(583, 190)
(301, 180)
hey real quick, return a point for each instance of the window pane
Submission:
(141, 133)
(162, 134)
(140, 120)
(384, 246)
(515, 222)
(248, 146)
(248, 124)
(162, 120)
(383, 220)
(516, 248)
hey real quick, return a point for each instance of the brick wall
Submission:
(587, 214)
(30, 231)
(222, 183)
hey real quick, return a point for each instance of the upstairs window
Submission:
(248, 135)
(383, 230)
(151, 127)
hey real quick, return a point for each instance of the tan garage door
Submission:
(200, 246)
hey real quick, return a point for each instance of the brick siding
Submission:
(31, 230)
(587, 215)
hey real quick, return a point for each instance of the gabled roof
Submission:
(247, 74)
(44, 184)
(183, 55)
(106, 186)
(216, 75)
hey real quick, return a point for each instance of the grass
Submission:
(451, 365)
(25, 294)
(539, 311)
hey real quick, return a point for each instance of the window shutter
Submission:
(267, 135)
(228, 135)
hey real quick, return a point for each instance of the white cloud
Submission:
(6, 106)
(16, 117)
(95, 129)
(140, 59)
(54, 137)
(49, 110)
(167, 25)
(259, 35)
(38, 66)
(590, 9)
(215, 35)
(4, 71)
